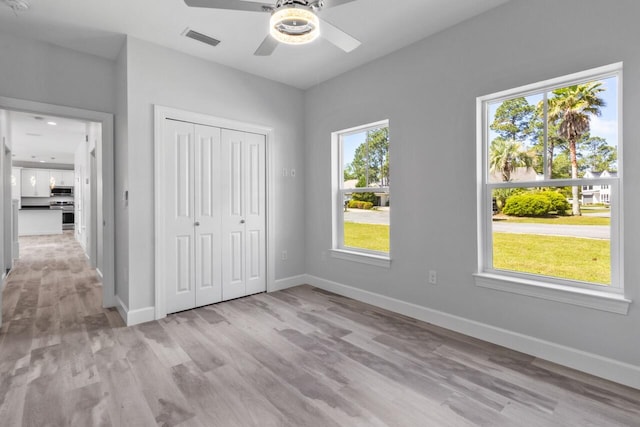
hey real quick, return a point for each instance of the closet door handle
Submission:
(197, 223)
(242, 221)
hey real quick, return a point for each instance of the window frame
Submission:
(608, 298)
(338, 249)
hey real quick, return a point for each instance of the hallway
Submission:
(51, 301)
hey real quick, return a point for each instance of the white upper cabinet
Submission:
(61, 178)
(67, 178)
(35, 183)
(16, 181)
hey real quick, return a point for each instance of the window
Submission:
(361, 207)
(549, 195)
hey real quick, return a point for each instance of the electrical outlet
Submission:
(285, 172)
(433, 277)
(285, 255)
(293, 173)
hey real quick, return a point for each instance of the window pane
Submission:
(365, 157)
(582, 125)
(366, 221)
(514, 129)
(534, 232)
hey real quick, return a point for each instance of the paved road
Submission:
(588, 231)
(378, 216)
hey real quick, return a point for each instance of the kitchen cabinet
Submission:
(16, 181)
(68, 178)
(35, 183)
(61, 178)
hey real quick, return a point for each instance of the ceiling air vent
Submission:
(201, 37)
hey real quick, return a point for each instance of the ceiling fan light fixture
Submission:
(294, 25)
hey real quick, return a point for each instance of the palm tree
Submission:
(571, 108)
(507, 155)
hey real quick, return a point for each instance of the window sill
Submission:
(599, 300)
(364, 258)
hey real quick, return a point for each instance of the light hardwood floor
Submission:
(300, 357)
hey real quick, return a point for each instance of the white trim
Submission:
(134, 317)
(604, 367)
(107, 215)
(288, 282)
(556, 83)
(599, 300)
(162, 113)
(99, 273)
(361, 257)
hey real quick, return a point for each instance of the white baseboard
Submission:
(134, 317)
(288, 282)
(590, 363)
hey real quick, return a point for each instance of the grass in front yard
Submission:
(573, 258)
(374, 237)
(561, 220)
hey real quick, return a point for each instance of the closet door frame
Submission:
(161, 114)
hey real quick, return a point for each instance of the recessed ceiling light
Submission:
(38, 117)
(52, 123)
(43, 161)
(53, 158)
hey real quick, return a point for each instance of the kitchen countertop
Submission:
(33, 208)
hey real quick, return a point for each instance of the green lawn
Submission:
(566, 257)
(374, 237)
(562, 220)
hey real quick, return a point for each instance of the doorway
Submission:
(104, 179)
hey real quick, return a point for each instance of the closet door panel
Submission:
(208, 247)
(178, 244)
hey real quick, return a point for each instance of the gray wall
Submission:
(428, 91)
(42, 72)
(157, 75)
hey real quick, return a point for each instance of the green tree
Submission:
(507, 155)
(571, 108)
(555, 144)
(512, 120)
(370, 163)
(598, 156)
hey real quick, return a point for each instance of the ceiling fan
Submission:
(292, 21)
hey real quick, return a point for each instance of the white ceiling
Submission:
(98, 27)
(34, 140)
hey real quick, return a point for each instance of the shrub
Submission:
(357, 204)
(559, 203)
(365, 197)
(528, 204)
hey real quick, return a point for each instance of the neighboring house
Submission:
(384, 195)
(592, 194)
(518, 175)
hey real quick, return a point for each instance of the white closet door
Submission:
(208, 249)
(255, 215)
(243, 216)
(178, 188)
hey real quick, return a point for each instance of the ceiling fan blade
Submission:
(338, 37)
(334, 3)
(231, 5)
(267, 46)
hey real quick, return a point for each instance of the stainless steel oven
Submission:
(68, 215)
